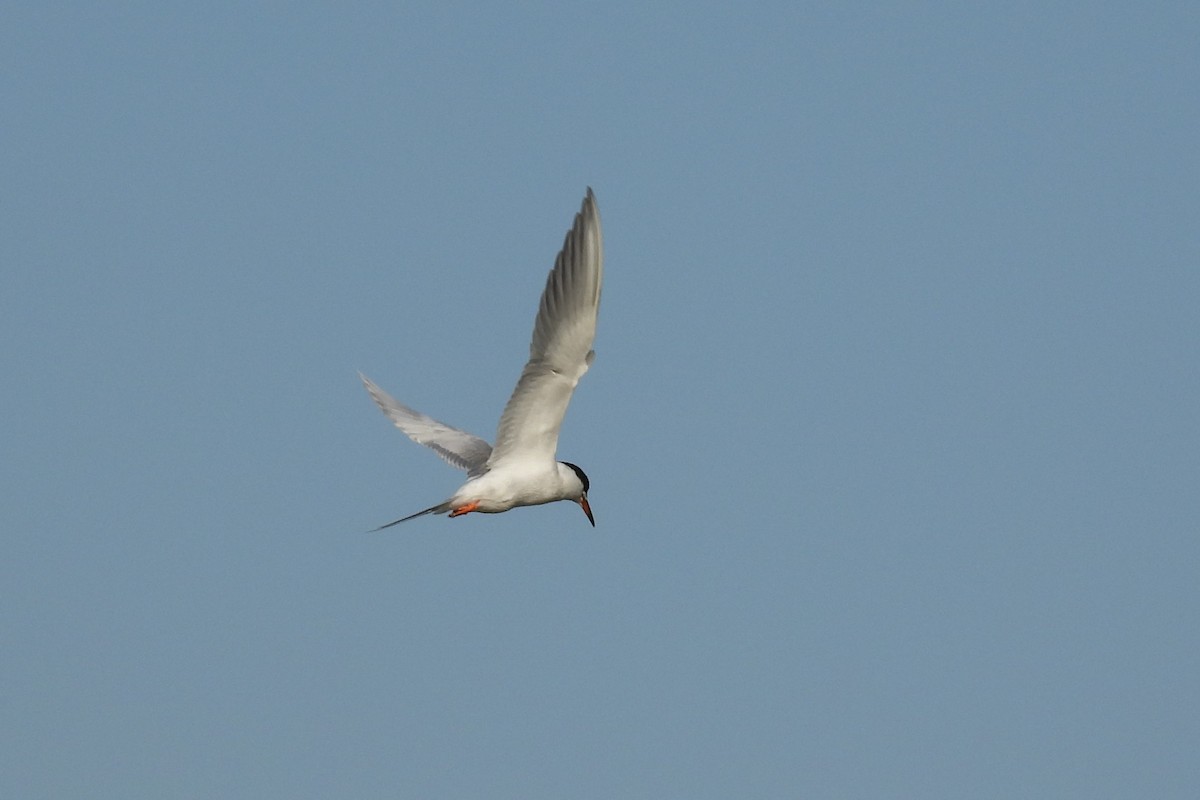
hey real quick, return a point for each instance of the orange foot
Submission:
(467, 509)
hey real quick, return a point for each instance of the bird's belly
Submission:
(496, 496)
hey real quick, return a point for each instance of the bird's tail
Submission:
(440, 508)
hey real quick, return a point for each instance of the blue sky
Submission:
(892, 430)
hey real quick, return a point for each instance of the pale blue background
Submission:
(893, 430)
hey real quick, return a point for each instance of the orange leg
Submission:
(467, 509)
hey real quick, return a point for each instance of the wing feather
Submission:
(560, 350)
(459, 448)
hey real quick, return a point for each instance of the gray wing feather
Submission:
(459, 448)
(560, 351)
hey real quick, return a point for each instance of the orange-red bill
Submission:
(587, 509)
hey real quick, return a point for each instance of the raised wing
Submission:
(459, 448)
(561, 349)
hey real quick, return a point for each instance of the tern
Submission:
(521, 470)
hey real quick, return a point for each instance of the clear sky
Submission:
(893, 429)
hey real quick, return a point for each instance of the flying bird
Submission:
(521, 470)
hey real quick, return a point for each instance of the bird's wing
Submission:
(459, 448)
(561, 349)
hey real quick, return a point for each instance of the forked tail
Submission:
(440, 508)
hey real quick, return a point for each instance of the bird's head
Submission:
(584, 485)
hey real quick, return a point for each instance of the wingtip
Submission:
(589, 211)
(373, 390)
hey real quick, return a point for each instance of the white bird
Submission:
(521, 469)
